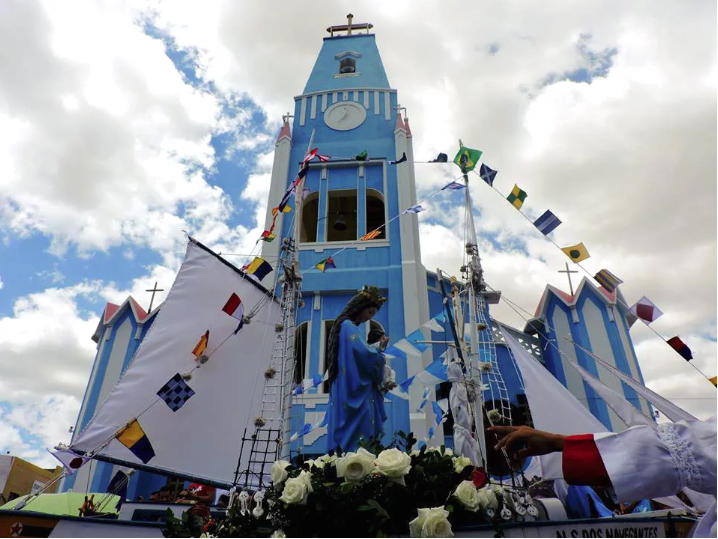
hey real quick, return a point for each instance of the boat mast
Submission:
(475, 274)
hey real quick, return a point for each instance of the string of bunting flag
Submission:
(644, 309)
(174, 393)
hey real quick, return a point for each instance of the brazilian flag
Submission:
(467, 159)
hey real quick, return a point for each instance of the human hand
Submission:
(384, 342)
(537, 442)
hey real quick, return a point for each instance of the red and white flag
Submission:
(70, 460)
(309, 156)
(646, 310)
(234, 307)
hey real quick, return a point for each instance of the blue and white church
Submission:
(346, 108)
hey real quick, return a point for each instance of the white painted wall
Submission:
(601, 346)
(574, 383)
(632, 363)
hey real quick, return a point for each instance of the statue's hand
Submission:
(384, 342)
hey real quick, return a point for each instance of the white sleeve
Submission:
(646, 462)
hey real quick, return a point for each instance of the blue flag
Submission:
(487, 174)
(455, 186)
(547, 223)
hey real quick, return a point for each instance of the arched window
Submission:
(342, 215)
(347, 65)
(300, 352)
(375, 212)
(310, 212)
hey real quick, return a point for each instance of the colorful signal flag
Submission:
(645, 309)
(682, 348)
(201, 345)
(134, 438)
(70, 460)
(517, 197)
(547, 223)
(577, 252)
(175, 392)
(487, 174)
(258, 267)
(414, 209)
(371, 235)
(326, 263)
(607, 280)
(454, 186)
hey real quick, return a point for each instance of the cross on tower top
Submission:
(568, 273)
(154, 289)
(349, 27)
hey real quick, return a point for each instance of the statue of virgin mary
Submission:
(356, 373)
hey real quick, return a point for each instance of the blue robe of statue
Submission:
(356, 405)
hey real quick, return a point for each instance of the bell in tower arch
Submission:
(347, 65)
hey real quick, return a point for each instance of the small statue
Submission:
(244, 502)
(258, 510)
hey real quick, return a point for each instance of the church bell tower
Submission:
(349, 111)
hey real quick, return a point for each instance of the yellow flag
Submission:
(577, 253)
(130, 434)
(201, 345)
(370, 236)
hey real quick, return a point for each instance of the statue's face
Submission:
(366, 314)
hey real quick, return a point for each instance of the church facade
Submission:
(349, 111)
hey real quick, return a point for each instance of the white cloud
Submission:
(104, 143)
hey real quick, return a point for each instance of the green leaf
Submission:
(377, 506)
(347, 487)
(450, 508)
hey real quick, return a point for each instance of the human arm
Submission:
(639, 462)
(581, 461)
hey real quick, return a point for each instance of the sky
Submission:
(127, 123)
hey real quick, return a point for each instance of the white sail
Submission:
(553, 407)
(624, 409)
(670, 410)
(203, 437)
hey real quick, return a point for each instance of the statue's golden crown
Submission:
(372, 292)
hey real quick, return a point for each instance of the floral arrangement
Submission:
(372, 492)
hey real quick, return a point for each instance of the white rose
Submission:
(310, 463)
(278, 533)
(322, 461)
(278, 471)
(415, 453)
(431, 523)
(297, 489)
(355, 466)
(460, 463)
(393, 464)
(468, 496)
